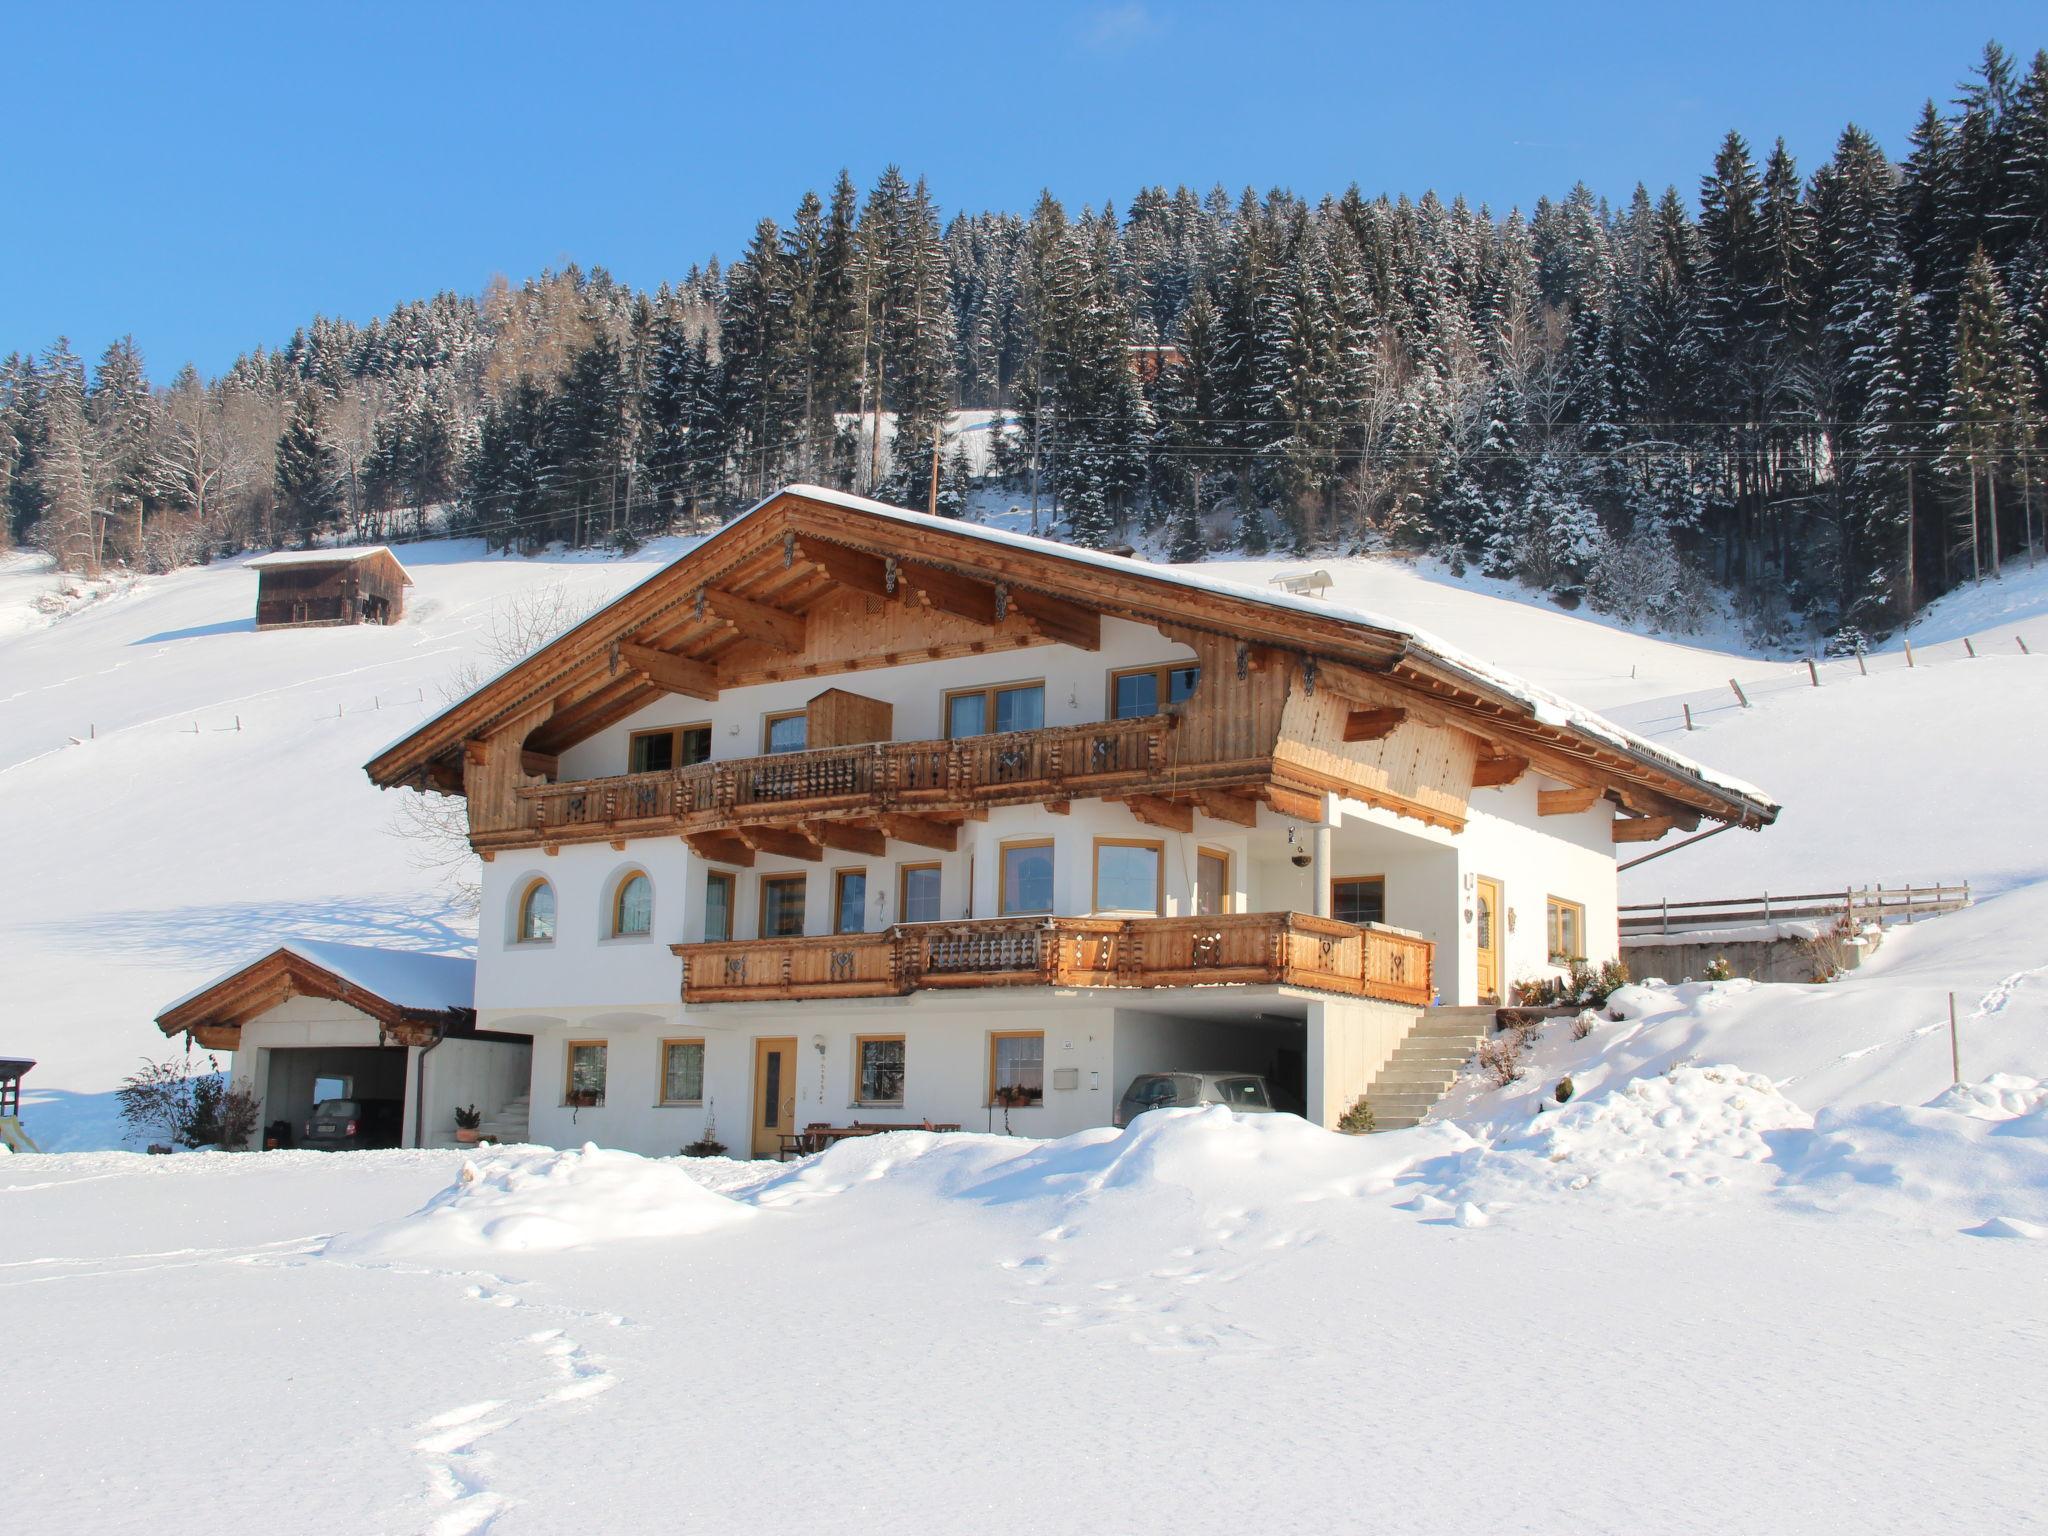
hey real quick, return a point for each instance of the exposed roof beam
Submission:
(1642, 829)
(1373, 724)
(1057, 619)
(756, 621)
(950, 593)
(1225, 806)
(719, 848)
(1155, 812)
(678, 674)
(781, 841)
(847, 567)
(848, 837)
(921, 830)
(1493, 769)
(1292, 802)
(1565, 802)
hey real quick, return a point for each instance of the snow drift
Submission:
(544, 1202)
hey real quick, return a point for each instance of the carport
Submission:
(314, 1020)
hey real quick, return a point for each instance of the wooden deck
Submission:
(933, 779)
(1256, 948)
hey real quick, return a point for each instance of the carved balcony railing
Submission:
(1017, 767)
(1257, 948)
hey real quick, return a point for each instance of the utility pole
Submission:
(931, 505)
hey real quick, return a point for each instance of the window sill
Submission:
(876, 1104)
(678, 1103)
(517, 946)
(627, 938)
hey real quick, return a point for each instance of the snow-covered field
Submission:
(1765, 1271)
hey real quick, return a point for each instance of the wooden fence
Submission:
(1880, 904)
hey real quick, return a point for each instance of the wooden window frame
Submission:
(1553, 904)
(903, 874)
(1337, 880)
(662, 1100)
(838, 893)
(534, 886)
(1003, 851)
(988, 705)
(803, 881)
(618, 930)
(773, 718)
(731, 882)
(859, 1041)
(675, 735)
(989, 1085)
(1158, 847)
(569, 1049)
(1210, 851)
(1161, 674)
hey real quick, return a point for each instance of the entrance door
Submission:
(774, 1094)
(1487, 901)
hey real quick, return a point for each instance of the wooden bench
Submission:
(817, 1137)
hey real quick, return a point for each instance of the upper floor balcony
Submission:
(912, 789)
(1247, 948)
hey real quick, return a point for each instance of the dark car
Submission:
(1244, 1092)
(350, 1125)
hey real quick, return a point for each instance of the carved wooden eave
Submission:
(214, 1017)
(817, 584)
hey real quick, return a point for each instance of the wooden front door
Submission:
(774, 1094)
(1486, 901)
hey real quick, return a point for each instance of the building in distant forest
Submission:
(307, 587)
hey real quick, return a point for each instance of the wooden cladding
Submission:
(838, 718)
(1258, 948)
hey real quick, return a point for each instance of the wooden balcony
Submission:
(936, 779)
(1257, 948)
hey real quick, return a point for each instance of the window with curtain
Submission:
(537, 913)
(633, 912)
(977, 711)
(880, 1062)
(1212, 883)
(782, 906)
(919, 901)
(718, 886)
(586, 1072)
(1016, 1064)
(682, 1071)
(786, 732)
(849, 900)
(1567, 924)
(1142, 691)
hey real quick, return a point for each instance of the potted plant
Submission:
(1013, 1096)
(584, 1098)
(468, 1124)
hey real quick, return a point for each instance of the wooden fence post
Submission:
(2022, 639)
(1812, 672)
(1969, 647)
(1688, 715)
(1909, 650)
(1741, 697)
(1955, 1046)
(1860, 667)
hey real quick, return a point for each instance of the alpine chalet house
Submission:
(857, 816)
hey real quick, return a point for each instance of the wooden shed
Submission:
(307, 587)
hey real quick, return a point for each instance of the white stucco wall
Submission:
(1536, 857)
(1349, 1041)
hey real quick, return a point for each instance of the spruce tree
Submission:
(304, 475)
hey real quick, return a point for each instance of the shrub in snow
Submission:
(1585, 1023)
(1828, 951)
(1564, 1092)
(1358, 1119)
(170, 1100)
(1501, 1057)
(1718, 969)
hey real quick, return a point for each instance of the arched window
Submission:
(537, 913)
(633, 906)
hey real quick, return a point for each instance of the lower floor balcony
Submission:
(1253, 948)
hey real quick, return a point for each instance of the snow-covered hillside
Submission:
(177, 790)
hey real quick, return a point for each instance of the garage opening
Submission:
(371, 1076)
(1271, 1046)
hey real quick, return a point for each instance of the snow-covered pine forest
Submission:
(1820, 390)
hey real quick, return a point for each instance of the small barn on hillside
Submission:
(305, 587)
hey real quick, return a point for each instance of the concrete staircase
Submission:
(509, 1124)
(1425, 1064)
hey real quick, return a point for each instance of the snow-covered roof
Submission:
(1549, 708)
(405, 979)
(345, 556)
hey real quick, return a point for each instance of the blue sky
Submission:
(210, 176)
